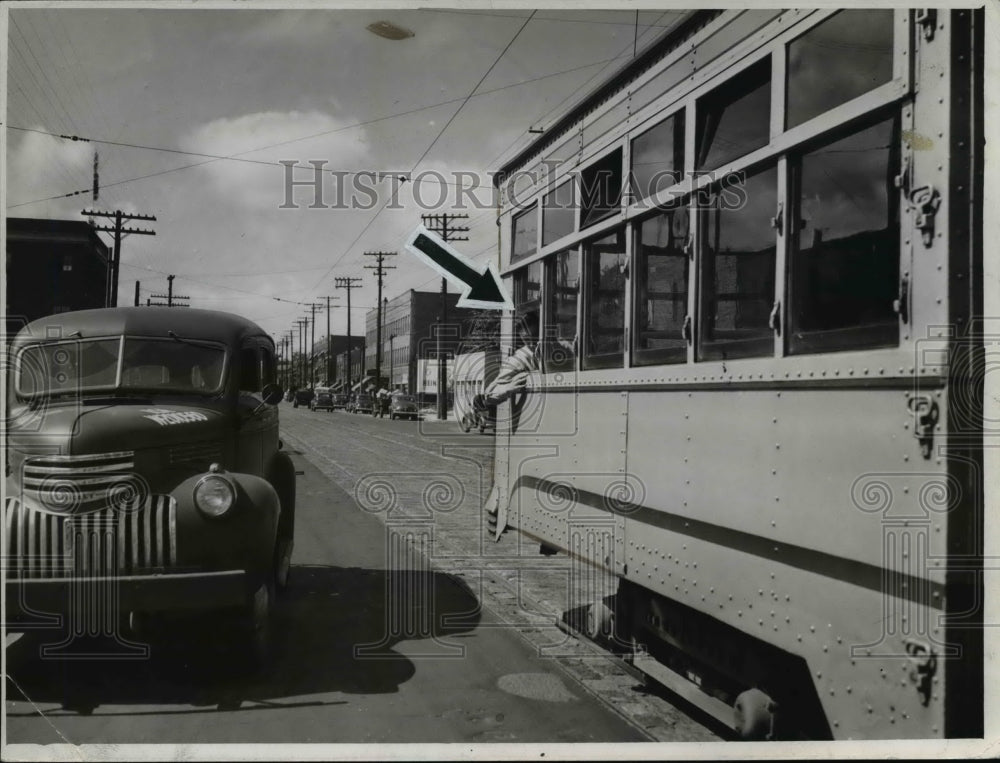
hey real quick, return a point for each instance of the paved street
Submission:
(376, 644)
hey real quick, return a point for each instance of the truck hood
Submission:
(74, 429)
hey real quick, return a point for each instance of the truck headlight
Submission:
(214, 495)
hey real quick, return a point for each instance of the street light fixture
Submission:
(389, 30)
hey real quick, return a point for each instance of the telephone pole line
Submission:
(302, 323)
(379, 269)
(441, 224)
(313, 307)
(169, 296)
(111, 293)
(349, 284)
(330, 366)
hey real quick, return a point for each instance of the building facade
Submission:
(409, 333)
(329, 374)
(53, 266)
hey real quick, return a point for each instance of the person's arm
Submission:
(512, 376)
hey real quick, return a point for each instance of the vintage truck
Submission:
(144, 467)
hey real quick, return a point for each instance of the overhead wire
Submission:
(441, 132)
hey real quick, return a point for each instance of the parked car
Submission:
(340, 400)
(362, 403)
(303, 396)
(323, 398)
(152, 431)
(403, 406)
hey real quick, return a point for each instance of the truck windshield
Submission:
(137, 364)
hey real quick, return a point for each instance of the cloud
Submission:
(265, 138)
(38, 164)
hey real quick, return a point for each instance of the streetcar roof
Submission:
(685, 27)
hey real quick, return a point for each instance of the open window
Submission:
(606, 283)
(844, 258)
(734, 118)
(658, 157)
(558, 213)
(601, 189)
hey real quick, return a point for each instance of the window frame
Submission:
(837, 340)
(534, 208)
(575, 217)
(587, 360)
(735, 349)
(548, 330)
(661, 356)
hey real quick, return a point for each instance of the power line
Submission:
(437, 137)
(236, 157)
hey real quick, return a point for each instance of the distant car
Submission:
(362, 403)
(302, 397)
(322, 399)
(403, 406)
(340, 400)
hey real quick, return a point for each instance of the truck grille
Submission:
(198, 455)
(79, 484)
(96, 544)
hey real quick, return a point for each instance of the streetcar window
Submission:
(604, 321)
(737, 256)
(735, 118)
(844, 57)
(558, 213)
(661, 287)
(601, 189)
(525, 234)
(563, 294)
(845, 259)
(658, 157)
(528, 285)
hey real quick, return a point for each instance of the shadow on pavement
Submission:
(336, 630)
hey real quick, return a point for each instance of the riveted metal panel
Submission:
(761, 462)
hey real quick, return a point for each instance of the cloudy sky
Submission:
(169, 93)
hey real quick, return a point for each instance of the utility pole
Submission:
(301, 324)
(349, 284)
(111, 294)
(440, 224)
(379, 269)
(136, 293)
(290, 357)
(331, 370)
(169, 296)
(313, 307)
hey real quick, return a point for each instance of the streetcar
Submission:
(757, 428)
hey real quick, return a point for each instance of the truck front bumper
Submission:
(146, 593)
